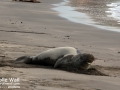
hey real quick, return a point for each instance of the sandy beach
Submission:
(30, 28)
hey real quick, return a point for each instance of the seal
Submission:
(49, 57)
(59, 57)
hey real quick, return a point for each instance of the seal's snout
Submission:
(86, 60)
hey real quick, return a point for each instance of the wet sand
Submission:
(28, 29)
(97, 10)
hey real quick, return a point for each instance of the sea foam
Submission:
(114, 11)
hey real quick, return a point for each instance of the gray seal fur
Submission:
(57, 57)
(79, 61)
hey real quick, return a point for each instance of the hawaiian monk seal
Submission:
(58, 57)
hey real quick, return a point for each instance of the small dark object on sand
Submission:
(67, 36)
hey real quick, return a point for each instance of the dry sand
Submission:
(28, 28)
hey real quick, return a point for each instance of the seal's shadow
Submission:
(90, 71)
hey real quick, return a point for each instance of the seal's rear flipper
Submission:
(24, 59)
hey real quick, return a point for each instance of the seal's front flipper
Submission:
(66, 60)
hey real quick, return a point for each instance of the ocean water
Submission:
(114, 11)
(104, 14)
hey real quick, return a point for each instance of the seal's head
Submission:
(86, 60)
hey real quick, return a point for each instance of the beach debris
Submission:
(2, 56)
(118, 52)
(67, 36)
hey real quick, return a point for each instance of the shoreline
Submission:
(81, 14)
(28, 29)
